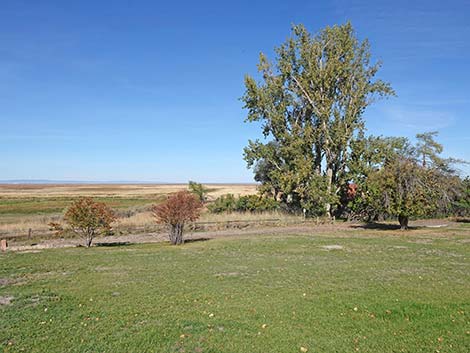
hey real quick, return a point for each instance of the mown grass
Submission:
(378, 293)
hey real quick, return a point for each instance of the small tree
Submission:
(401, 188)
(175, 211)
(88, 218)
(199, 190)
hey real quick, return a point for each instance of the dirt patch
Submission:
(228, 274)
(6, 300)
(333, 247)
(6, 281)
(338, 229)
(423, 241)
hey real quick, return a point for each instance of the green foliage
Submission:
(255, 203)
(461, 206)
(310, 103)
(224, 203)
(370, 153)
(248, 203)
(428, 149)
(395, 178)
(199, 190)
(402, 188)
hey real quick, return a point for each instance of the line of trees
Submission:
(310, 102)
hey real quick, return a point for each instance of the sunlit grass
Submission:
(330, 293)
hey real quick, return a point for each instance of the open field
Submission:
(114, 190)
(24, 207)
(367, 290)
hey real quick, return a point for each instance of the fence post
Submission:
(3, 245)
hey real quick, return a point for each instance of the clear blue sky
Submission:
(148, 90)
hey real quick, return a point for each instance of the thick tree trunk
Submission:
(403, 222)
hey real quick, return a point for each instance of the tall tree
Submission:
(428, 149)
(310, 103)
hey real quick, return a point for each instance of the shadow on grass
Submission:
(381, 226)
(463, 220)
(114, 243)
(196, 240)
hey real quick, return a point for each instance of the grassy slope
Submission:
(411, 294)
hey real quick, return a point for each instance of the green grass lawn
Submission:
(379, 293)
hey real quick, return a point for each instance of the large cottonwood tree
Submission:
(310, 102)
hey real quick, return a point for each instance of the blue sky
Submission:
(148, 90)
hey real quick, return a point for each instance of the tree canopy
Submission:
(316, 157)
(310, 102)
(89, 218)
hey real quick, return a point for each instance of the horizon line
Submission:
(53, 181)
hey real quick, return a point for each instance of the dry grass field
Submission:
(24, 206)
(114, 190)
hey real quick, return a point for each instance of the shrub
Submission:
(248, 203)
(56, 227)
(255, 203)
(175, 211)
(199, 190)
(224, 203)
(88, 218)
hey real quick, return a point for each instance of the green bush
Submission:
(224, 203)
(248, 203)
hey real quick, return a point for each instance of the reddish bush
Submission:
(88, 218)
(56, 228)
(351, 191)
(175, 211)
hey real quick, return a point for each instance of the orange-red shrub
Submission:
(88, 218)
(175, 211)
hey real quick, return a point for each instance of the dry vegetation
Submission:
(24, 207)
(114, 190)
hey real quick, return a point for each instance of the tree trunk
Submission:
(329, 175)
(403, 222)
(89, 237)
(176, 234)
(318, 158)
(88, 241)
(172, 234)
